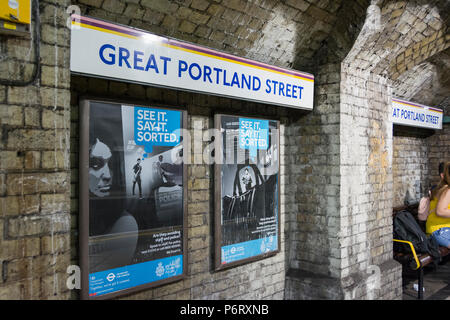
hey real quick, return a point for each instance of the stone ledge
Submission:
(302, 284)
(306, 285)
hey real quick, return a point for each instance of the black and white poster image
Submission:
(135, 196)
(249, 188)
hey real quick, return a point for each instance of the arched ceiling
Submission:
(407, 42)
(427, 83)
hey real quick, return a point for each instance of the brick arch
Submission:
(427, 83)
(412, 80)
(344, 32)
(418, 53)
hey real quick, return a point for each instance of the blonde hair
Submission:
(444, 184)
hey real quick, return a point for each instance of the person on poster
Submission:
(167, 173)
(247, 180)
(100, 176)
(161, 206)
(160, 170)
(137, 169)
(108, 218)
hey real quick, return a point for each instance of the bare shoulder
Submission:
(446, 193)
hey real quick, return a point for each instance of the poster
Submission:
(248, 184)
(135, 202)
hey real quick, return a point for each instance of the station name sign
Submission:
(416, 115)
(112, 51)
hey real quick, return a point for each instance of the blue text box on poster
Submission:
(253, 135)
(156, 127)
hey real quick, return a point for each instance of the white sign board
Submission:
(416, 115)
(102, 49)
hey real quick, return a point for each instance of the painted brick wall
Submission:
(410, 169)
(342, 231)
(314, 169)
(415, 164)
(366, 184)
(34, 161)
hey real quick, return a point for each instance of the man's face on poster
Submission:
(100, 175)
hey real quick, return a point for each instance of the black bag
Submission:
(406, 228)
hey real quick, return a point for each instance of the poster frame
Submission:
(218, 266)
(83, 189)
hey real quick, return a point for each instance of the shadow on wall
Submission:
(409, 198)
(343, 27)
(420, 189)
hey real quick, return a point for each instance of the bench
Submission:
(415, 261)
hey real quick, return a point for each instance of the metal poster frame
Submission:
(84, 200)
(218, 199)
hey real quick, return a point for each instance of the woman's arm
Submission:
(442, 207)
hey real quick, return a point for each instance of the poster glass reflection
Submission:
(131, 197)
(247, 190)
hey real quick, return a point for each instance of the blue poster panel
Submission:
(136, 211)
(249, 175)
